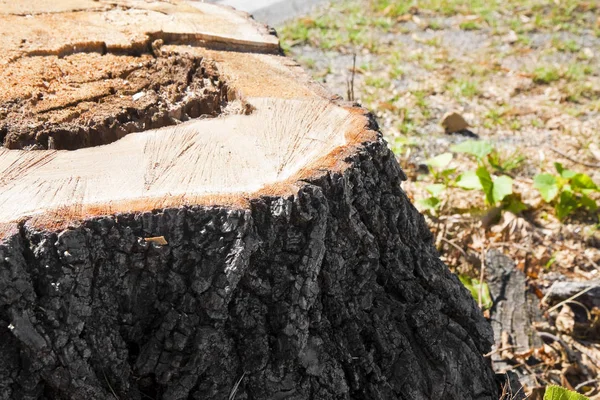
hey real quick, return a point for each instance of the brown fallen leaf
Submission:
(565, 321)
(454, 122)
(159, 240)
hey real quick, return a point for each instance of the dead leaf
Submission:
(159, 240)
(454, 122)
(565, 321)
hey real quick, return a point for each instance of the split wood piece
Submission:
(186, 215)
(515, 310)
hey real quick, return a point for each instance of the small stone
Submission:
(138, 96)
(587, 52)
(510, 37)
(454, 122)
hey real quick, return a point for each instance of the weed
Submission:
(494, 118)
(568, 191)
(376, 81)
(465, 87)
(469, 26)
(545, 75)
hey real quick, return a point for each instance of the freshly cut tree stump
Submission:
(186, 215)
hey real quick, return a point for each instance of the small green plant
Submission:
(545, 75)
(375, 81)
(466, 88)
(494, 117)
(498, 189)
(566, 46)
(479, 290)
(560, 393)
(469, 26)
(442, 176)
(568, 191)
(495, 188)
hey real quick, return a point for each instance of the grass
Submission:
(469, 26)
(577, 72)
(568, 45)
(468, 88)
(377, 82)
(545, 75)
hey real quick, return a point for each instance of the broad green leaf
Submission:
(430, 203)
(566, 204)
(473, 147)
(436, 189)
(447, 172)
(486, 184)
(560, 393)
(547, 185)
(589, 203)
(565, 173)
(583, 182)
(503, 186)
(474, 287)
(486, 297)
(440, 161)
(514, 205)
(468, 180)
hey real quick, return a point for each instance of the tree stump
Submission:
(184, 214)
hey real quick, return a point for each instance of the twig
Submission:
(574, 160)
(576, 295)
(451, 243)
(586, 383)
(235, 388)
(592, 262)
(555, 338)
(350, 82)
(491, 353)
(109, 386)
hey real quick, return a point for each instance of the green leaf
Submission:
(560, 393)
(473, 147)
(565, 173)
(547, 186)
(440, 161)
(589, 203)
(475, 287)
(514, 205)
(436, 189)
(502, 188)
(469, 180)
(583, 182)
(486, 297)
(430, 203)
(486, 184)
(566, 204)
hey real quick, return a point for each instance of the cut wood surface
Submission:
(184, 214)
(69, 86)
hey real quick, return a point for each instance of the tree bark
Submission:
(324, 284)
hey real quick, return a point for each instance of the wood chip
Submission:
(159, 240)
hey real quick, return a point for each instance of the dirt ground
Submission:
(525, 75)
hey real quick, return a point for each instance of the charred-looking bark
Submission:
(265, 253)
(334, 293)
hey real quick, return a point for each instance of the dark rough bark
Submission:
(335, 293)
